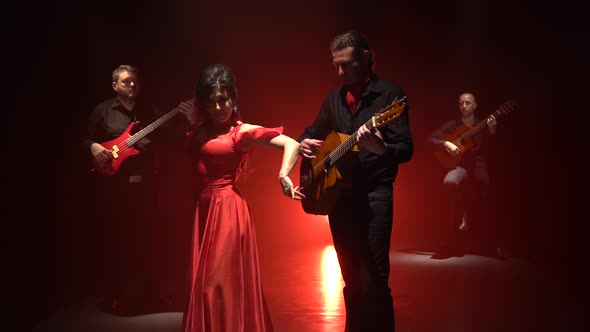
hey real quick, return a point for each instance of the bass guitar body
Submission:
(120, 152)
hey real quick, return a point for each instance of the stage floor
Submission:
(303, 289)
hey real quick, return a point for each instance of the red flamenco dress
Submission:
(225, 290)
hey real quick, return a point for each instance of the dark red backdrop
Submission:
(280, 55)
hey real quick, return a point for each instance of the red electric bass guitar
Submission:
(122, 146)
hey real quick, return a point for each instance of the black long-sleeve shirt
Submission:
(335, 115)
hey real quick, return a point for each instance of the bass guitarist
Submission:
(361, 217)
(467, 178)
(123, 205)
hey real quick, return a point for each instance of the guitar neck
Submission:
(151, 127)
(385, 115)
(473, 130)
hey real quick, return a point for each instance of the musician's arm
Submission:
(89, 148)
(90, 132)
(436, 141)
(398, 138)
(445, 129)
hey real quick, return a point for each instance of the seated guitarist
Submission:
(467, 178)
(123, 204)
(362, 217)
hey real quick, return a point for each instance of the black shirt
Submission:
(334, 115)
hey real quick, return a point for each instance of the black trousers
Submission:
(361, 227)
(124, 243)
(468, 191)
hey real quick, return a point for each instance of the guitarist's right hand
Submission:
(100, 153)
(452, 149)
(308, 148)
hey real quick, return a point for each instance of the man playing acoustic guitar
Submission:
(460, 149)
(361, 217)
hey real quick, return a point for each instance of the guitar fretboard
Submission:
(148, 129)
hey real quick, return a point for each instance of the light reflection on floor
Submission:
(304, 289)
(332, 284)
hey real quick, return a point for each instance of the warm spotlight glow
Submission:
(332, 283)
(317, 218)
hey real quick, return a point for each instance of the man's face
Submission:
(127, 86)
(467, 104)
(349, 69)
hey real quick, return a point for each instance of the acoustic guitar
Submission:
(321, 178)
(122, 146)
(462, 137)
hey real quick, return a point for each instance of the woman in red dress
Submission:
(225, 290)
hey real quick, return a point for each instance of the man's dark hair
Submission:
(354, 39)
(121, 68)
